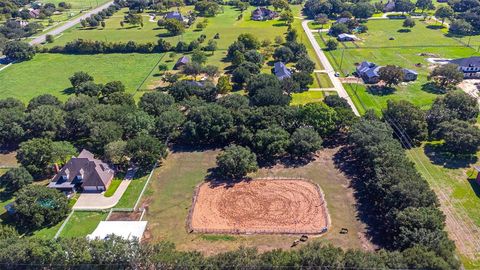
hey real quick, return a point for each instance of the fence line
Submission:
(323, 230)
(145, 186)
(63, 225)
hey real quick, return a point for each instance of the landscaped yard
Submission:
(49, 73)
(132, 193)
(306, 97)
(81, 224)
(170, 192)
(404, 51)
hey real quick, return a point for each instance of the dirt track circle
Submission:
(271, 205)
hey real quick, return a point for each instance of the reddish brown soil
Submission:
(125, 216)
(283, 206)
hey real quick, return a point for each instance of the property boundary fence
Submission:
(191, 229)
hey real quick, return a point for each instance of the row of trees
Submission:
(119, 253)
(400, 203)
(99, 18)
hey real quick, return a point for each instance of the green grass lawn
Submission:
(404, 51)
(77, 4)
(130, 196)
(113, 187)
(82, 223)
(455, 178)
(49, 73)
(306, 97)
(169, 197)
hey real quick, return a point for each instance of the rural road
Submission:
(337, 84)
(69, 24)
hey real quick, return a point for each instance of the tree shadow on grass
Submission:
(404, 30)
(475, 186)
(435, 27)
(431, 88)
(438, 155)
(279, 24)
(68, 91)
(347, 161)
(378, 90)
(216, 179)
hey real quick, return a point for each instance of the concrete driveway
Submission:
(96, 201)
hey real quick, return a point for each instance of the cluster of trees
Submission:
(336, 8)
(208, 8)
(344, 27)
(451, 119)
(13, 30)
(130, 254)
(464, 16)
(401, 204)
(247, 61)
(18, 50)
(99, 19)
(15, 9)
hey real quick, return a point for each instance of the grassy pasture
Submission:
(49, 73)
(404, 51)
(82, 223)
(169, 197)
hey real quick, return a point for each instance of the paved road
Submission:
(96, 201)
(337, 84)
(69, 24)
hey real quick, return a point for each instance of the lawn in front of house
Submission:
(132, 193)
(404, 51)
(169, 198)
(49, 73)
(82, 223)
(306, 97)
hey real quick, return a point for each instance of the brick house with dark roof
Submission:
(182, 61)
(263, 14)
(84, 172)
(470, 66)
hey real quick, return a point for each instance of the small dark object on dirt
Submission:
(304, 238)
(418, 64)
(295, 243)
(344, 231)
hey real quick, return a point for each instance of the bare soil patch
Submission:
(125, 216)
(260, 206)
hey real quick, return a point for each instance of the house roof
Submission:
(281, 71)
(183, 60)
(409, 71)
(344, 35)
(261, 12)
(175, 15)
(342, 20)
(473, 61)
(84, 169)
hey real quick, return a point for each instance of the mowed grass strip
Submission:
(49, 73)
(82, 223)
(132, 193)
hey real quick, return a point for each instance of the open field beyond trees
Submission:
(405, 51)
(169, 198)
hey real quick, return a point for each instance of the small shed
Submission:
(181, 62)
(347, 37)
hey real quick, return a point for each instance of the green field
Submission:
(306, 97)
(132, 193)
(77, 4)
(404, 51)
(169, 197)
(453, 178)
(49, 73)
(81, 224)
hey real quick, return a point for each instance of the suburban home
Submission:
(469, 66)
(176, 15)
(34, 13)
(369, 72)
(281, 71)
(182, 61)
(84, 172)
(389, 6)
(347, 37)
(342, 20)
(263, 14)
(409, 75)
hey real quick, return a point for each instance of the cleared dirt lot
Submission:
(261, 206)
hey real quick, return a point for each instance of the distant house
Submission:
(409, 75)
(347, 37)
(182, 61)
(176, 15)
(84, 172)
(281, 71)
(342, 20)
(469, 66)
(263, 14)
(389, 6)
(369, 72)
(34, 13)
